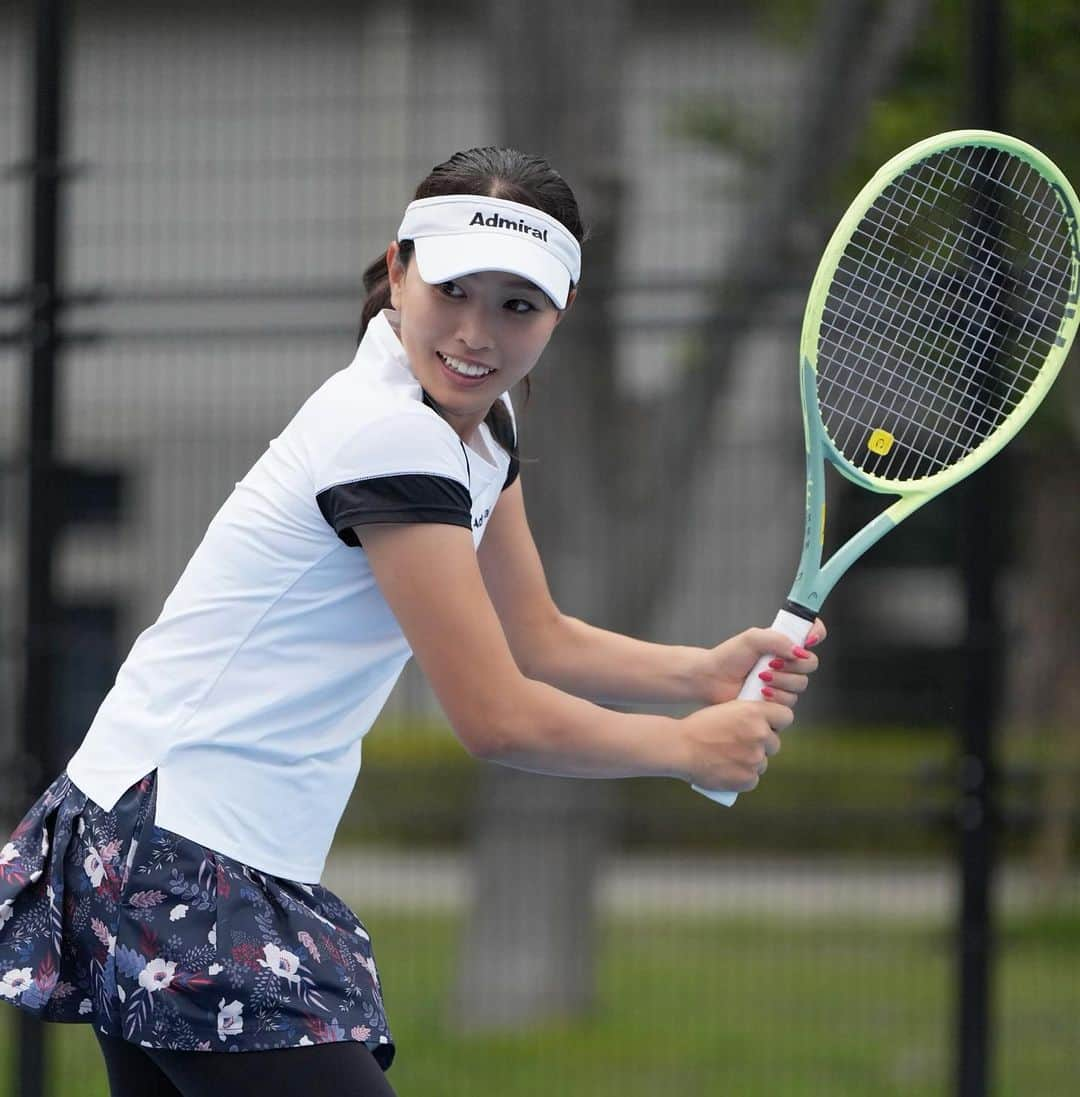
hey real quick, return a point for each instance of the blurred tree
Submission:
(539, 841)
(857, 49)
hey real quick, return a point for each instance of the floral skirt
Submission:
(109, 919)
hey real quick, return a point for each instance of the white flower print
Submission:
(157, 974)
(281, 962)
(44, 843)
(230, 1021)
(94, 868)
(85, 1006)
(15, 982)
(304, 1042)
(214, 969)
(212, 935)
(6, 911)
(9, 853)
(179, 911)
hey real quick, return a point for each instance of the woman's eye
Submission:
(521, 306)
(452, 289)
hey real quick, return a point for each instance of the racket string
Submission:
(892, 392)
(1043, 284)
(1034, 276)
(937, 320)
(926, 298)
(1048, 285)
(967, 336)
(948, 330)
(842, 334)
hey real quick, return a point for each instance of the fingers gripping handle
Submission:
(796, 629)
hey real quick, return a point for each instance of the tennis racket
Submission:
(942, 309)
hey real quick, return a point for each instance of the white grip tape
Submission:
(796, 629)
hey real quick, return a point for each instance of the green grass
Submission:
(689, 1007)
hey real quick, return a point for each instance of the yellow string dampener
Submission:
(880, 442)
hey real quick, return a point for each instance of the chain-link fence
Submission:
(228, 172)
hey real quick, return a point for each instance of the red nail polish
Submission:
(800, 653)
(766, 692)
(766, 675)
(815, 639)
(776, 664)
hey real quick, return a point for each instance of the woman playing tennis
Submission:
(165, 888)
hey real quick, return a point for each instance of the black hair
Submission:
(494, 173)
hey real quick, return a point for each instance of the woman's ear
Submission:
(396, 271)
(570, 298)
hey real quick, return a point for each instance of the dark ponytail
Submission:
(494, 173)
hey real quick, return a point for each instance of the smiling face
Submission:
(472, 339)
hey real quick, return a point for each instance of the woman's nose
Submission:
(474, 331)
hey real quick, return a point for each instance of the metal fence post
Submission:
(982, 558)
(36, 716)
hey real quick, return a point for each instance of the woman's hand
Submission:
(729, 746)
(724, 668)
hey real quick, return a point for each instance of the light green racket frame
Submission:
(813, 581)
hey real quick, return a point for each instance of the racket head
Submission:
(942, 309)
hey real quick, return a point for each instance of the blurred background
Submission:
(188, 196)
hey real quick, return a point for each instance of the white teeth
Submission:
(467, 369)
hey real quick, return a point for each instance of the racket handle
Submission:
(795, 628)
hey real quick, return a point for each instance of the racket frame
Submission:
(813, 581)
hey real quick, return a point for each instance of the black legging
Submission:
(345, 1069)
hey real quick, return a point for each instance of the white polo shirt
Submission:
(274, 653)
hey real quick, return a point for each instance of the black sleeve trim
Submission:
(512, 472)
(403, 498)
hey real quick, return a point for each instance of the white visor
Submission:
(459, 234)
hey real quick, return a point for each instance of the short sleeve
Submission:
(405, 467)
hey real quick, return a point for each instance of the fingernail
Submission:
(766, 675)
(776, 664)
(766, 692)
(800, 653)
(812, 640)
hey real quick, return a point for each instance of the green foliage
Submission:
(723, 125)
(854, 790)
(788, 21)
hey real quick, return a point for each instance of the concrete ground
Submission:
(802, 889)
